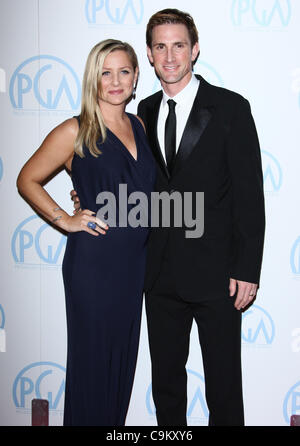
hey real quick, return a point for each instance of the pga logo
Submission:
(197, 411)
(2, 317)
(117, 12)
(35, 242)
(42, 380)
(209, 73)
(295, 258)
(45, 83)
(258, 328)
(261, 13)
(272, 172)
(291, 404)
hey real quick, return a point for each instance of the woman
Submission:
(103, 268)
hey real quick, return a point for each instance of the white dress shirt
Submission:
(184, 102)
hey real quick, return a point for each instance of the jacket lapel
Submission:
(197, 122)
(152, 135)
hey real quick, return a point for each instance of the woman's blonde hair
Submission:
(92, 125)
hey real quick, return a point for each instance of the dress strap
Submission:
(137, 122)
(78, 119)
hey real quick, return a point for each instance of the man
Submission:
(212, 278)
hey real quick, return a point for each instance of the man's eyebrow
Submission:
(173, 43)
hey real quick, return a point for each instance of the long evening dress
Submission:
(103, 279)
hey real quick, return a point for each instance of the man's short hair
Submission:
(172, 16)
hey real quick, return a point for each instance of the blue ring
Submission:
(91, 225)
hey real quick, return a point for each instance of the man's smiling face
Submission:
(172, 55)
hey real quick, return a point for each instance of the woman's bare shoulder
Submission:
(69, 126)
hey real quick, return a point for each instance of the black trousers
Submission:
(169, 319)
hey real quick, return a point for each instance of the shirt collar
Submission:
(185, 96)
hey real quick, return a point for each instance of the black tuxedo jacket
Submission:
(219, 155)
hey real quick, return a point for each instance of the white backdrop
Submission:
(248, 46)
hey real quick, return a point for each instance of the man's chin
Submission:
(171, 79)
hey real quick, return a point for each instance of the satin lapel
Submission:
(197, 122)
(152, 136)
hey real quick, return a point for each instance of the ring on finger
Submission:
(91, 225)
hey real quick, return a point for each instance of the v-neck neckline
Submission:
(135, 140)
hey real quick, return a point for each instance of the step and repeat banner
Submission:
(250, 46)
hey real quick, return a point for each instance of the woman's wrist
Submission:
(61, 219)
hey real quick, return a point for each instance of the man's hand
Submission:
(75, 199)
(246, 292)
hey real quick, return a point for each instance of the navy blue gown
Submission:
(103, 279)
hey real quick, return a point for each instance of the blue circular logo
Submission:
(272, 172)
(209, 72)
(2, 317)
(258, 327)
(45, 83)
(197, 411)
(291, 404)
(124, 12)
(34, 241)
(260, 13)
(42, 380)
(295, 257)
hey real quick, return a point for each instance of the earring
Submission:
(134, 92)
